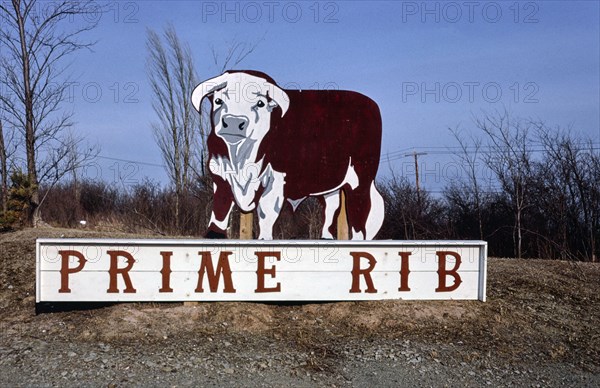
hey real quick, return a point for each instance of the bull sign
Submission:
(269, 146)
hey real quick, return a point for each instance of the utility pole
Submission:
(416, 156)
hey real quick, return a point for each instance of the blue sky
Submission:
(429, 66)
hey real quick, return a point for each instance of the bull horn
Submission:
(207, 87)
(280, 97)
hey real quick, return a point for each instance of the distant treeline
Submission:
(544, 201)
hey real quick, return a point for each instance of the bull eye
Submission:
(218, 101)
(260, 103)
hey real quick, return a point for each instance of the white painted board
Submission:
(304, 271)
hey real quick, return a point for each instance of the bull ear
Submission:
(280, 97)
(272, 105)
(207, 87)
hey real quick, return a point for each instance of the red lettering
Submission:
(404, 271)
(366, 272)
(261, 271)
(443, 272)
(166, 272)
(115, 270)
(223, 270)
(65, 270)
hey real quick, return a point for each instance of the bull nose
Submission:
(239, 122)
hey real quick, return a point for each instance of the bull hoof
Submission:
(215, 235)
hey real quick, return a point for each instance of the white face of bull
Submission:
(241, 105)
(246, 118)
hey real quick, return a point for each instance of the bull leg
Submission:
(376, 213)
(365, 212)
(222, 205)
(332, 204)
(270, 205)
(358, 205)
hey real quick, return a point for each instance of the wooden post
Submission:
(246, 222)
(342, 221)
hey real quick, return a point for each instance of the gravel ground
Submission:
(538, 328)
(241, 362)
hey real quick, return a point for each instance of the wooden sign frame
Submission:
(114, 270)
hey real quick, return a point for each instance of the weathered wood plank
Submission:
(342, 222)
(172, 270)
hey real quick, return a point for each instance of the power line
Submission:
(131, 161)
(397, 154)
(484, 150)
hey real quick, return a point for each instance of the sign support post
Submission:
(342, 221)
(246, 222)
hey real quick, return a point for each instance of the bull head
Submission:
(242, 105)
(244, 86)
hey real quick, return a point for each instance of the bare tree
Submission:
(510, 160)
(36, 41)
(3, 169)
(468, 158)
(594, 163)
(235, 53)
(7, 150)
(171, 73)
(180, 132)
(570, 169)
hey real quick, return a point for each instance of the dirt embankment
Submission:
(539, 328)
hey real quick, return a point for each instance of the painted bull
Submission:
(269, 145)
